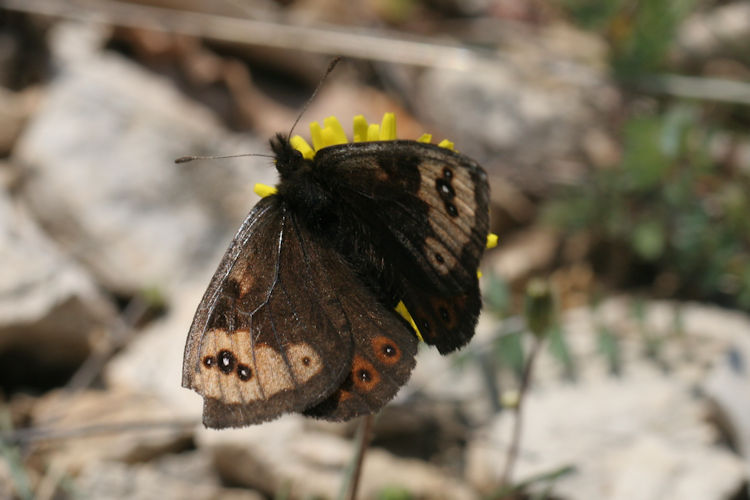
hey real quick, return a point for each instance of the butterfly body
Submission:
(300, 315)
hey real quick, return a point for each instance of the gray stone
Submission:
(643, 435)
(114, 481)
(86, 427)
(99, 155)
(533, 92)
(713, 33)
(728, 386)
(644, 426)
(286, 454)
(50, 309)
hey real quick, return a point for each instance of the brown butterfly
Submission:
(301, 313)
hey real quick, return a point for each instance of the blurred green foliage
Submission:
(394, 493)
(507, 348)
(639, 32)
(680, 215)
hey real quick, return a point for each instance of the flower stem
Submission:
(517, 414)
(362, 439)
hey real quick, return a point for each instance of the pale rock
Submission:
(81, 428)
(595, 425)
(647, 434)
(50, 309)
(114, 480)
(99, 161)
(286, 454)
(728, 387)
(713, 33)
(652, 468)
(525, 94)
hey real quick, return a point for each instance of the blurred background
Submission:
(616, 135)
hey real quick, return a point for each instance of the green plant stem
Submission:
(517, 414)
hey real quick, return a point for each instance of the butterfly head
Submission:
(288, 159)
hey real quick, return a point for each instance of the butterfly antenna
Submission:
(186, 159)
(331, 65)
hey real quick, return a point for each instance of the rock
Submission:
(714, 33)
(728, 387)
(553, 96)
(650, 467)
(285, 454)
(175, 477)
(50, 311)
(609, 430)
(86, 427)
(99, 161)
(644, 435)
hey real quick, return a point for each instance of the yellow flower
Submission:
(332, 134)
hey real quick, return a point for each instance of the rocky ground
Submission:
(106, 247)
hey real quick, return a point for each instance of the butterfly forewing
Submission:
(270, 335)
(427, 211)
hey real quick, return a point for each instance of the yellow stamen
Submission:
(316, 134)
(373, 132)
(425, 138)
(264, 190)
(491, 240)
(303, 147)
(401, 309)
(359, 128)
(479, 274)
(388, 127)
(445, 143)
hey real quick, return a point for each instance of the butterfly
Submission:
(320, 301)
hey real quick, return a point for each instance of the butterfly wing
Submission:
(384, 350)
(253, 350)
(277, 330)
(427, 210)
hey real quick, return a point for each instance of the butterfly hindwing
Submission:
(426, 208)
(384, 350)
(269, 336)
